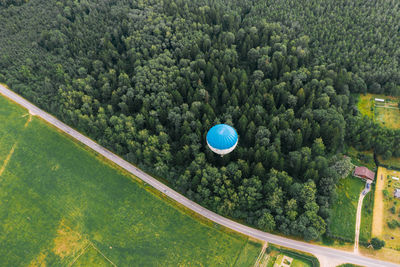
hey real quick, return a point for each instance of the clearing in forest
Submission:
(61, 204)
(391, 162)
(384, 111)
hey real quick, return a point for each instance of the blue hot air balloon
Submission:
(222, 139)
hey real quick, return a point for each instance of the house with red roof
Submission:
(364, 173)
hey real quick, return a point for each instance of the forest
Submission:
(148, 78)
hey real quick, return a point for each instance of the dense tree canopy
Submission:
(147, 79)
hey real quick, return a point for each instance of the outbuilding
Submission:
(364, 173)
(397, 193)
(379, 100)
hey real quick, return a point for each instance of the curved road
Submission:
(254, 233)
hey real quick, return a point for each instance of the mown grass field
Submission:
(62, 205)
(344, 209)
(387, 114)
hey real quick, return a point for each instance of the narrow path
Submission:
(28, 121)
(358, 218)
(5, 163)
(261, 255)
(249, 231)
(80, 254)
(7, 159)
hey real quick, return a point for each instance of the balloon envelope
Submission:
(222, 139)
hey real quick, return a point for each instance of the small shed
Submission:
(364, 173)
(397, 193)
(379, 100)
(395, 178)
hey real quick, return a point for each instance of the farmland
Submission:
(387, 209)
(385, 113)
(60, 204)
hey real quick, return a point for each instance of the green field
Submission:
(60, 204)
(344, 209)
(386, 114)
(366, 216)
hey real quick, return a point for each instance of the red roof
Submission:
(364, 172)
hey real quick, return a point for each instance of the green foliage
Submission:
(147, 81)
(377, 243)
(385, 193)
(342, 166)
(346, 34)
(266, 222)
(393, 209)
(393, 224)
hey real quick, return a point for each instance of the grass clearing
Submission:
(385, 113)
(343, 213)
(391, 162)
(365, 105)
(56, 197)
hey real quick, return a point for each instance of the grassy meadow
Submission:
(366, 105)
(343, 213)
(386, 114)
(60, 204)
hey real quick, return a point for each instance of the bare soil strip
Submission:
(28, 121)
(7, 159)
(377, 220)
(358, 221)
